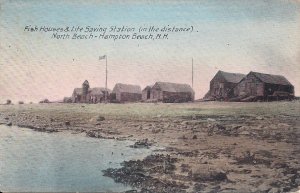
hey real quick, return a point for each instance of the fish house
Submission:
(97, 94)
(172, 92)
(126, 93)
(77, 95)
(264, 86)
(146, 93)
(222, 83)
(85, 94)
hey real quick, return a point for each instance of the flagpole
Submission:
(106, 79)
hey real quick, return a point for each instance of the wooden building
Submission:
(126, 93)
(221, 85)
(85, 94)
(259, 86)
(171, 92)
(97, 95)
(77, 96)
(146, 93)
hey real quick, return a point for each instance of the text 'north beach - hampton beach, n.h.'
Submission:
(151, 32)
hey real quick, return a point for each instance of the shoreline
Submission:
(214, 150)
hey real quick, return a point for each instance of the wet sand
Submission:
(209, 147)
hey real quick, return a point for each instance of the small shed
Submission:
(85, 94)
(146, 93)
(97, 94)
(126, 93)
(172, 92)
(264, 86)
(221, 85)
(77, 95)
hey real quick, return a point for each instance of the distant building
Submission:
(146, 93)
(97, 94)
(170, 92)
(264, 86)
(77, 95)
(85, 94)
(126, 93)
(221, 85)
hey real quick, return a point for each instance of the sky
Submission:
(232, 35)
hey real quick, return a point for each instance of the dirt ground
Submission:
(208, 147)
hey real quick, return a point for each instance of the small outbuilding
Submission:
(85, 94)
(126, 93)
(260, 86)
(221, 85)
(171, 92)
(97, 94)
(146, 93)
(77, 95)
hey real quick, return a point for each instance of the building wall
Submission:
(220, 88)
(172, 97)
(76, 98)
(270, 89)
(96, 98)
(216, 85)
(176, 97)
(129, 97)
(118, 96)
(250, 86)
(146, 94)
(156, 94)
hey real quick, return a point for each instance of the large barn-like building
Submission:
(126, 93)
(85, 94)
(221, 85)
(169, 92)
(259, 86)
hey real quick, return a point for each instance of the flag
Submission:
(102, 57)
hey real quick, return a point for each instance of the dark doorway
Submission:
(148, 94)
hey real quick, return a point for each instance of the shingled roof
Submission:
(232, 77)
(93, 91)
(77, 91)
(98, 91)
(271, 79)
(127, 88)
(174, 87)
(148, 87)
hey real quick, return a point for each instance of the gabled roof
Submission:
(77, 91)
(127, 88)
(92, 91)
(148, 87)
(174, 87)
(231, 77)
(98, 91)
(86, 83)
(271, 79)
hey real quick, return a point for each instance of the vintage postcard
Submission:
(164, 96)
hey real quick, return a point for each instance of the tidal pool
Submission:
(64, 162)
